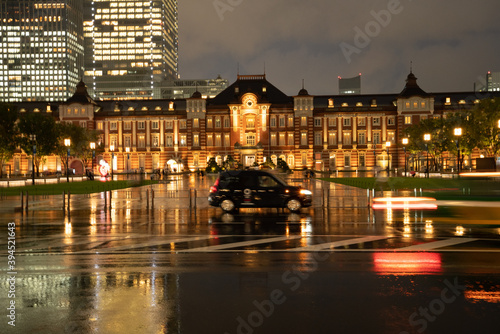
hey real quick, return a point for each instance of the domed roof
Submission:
(412, 88)
(196, 95)
(81, 95)
(303, 91)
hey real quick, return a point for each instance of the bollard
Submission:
(195, 195)
(110, 199)
(64, 201)
(105, 200)
(368, 197)
(152, 199)
(22, 201)
(27, 201)
(69, 200)
(147, 199)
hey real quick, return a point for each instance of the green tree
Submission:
(9, 133)
(281, 164)
(440, 132)
(212, 166)
(80, 142)
(44, 127)
(481, 127)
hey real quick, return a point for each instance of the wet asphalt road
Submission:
(122, 265)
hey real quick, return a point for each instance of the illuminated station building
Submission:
(41, 49)
(252, 121)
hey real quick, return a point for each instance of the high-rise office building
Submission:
(493, 81)
(41, 49)
(350, 85)
(131, 47)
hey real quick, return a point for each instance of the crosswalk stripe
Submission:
(239, 244)
(330, 245)
(145, 244)
(436, 244)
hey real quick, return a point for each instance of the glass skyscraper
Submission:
(41, 49)
(131, 47)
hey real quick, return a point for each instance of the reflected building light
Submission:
(459, 231)
(429, 229)
(68, 230)
(407, 231)
(482, 296)
(389, 216)
(406, 217)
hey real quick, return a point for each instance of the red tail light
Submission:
(215, 186)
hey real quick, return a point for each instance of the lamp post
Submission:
(127, 149)
(387, 146)
(67, 143)
(405, 142)
(33, 141)
(458, 132)
(92, 147)
(427, 138)
(112, 149)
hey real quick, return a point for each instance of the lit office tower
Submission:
(131, 47)
(41, 49)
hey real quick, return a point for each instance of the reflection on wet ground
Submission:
(134, 263)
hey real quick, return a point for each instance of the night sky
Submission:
(451, 43)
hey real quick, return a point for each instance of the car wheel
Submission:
(294, 205)
(227, 205)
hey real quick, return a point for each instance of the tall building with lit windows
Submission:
(41, 49)
(131, 47)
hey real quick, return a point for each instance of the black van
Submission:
(256, 189)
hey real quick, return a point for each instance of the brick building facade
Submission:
(252, 120)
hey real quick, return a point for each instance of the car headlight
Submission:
(305, 192)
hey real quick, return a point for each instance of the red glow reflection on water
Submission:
(407, 263)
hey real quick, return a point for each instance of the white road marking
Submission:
(436, 244)
(331, 245)
(144, 244)
(239, 244)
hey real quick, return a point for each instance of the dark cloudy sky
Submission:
(452, 43)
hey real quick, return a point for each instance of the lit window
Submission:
(361, 138)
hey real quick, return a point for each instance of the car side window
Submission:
(247, 181)
(267, 181)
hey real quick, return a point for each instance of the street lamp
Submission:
(405, 142)
(127, 149)
(387, 146)
(67, 143)
(458, 132)
(92, 147)
(112, 149)
(33, 141)
(427, 138)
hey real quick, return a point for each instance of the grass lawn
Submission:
(84, 187)
(464, 189)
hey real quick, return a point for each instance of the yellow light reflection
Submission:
(68, 230)
(460, 231)
(483, 296)
(429, 229)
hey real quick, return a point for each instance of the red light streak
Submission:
(406, 263)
